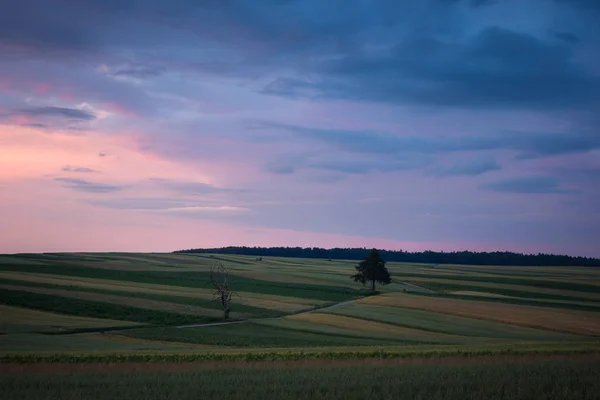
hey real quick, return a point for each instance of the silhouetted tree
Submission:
(372, 269)
(218, 278)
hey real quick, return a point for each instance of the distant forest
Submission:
(426, 257)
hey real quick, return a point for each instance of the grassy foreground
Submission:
(533, 379)
(223, 354)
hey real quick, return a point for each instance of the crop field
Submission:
(441, 379)
(77, 309)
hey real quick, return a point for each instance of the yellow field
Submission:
(357, 324)
(523, 288)
(471, 293)
(500, 296)
(569, 321)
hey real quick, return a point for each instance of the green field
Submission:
(442, 379)
(126, 307)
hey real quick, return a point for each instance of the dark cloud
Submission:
(424, 55)
(481, 3)
(78, 169)
(528, 144)
(526, 185)
(467, 168)
(587, 5)
(61, 112)
(87, 186)
(36, 125)
(101, 154)
(365, 166)
(567, 37)
(364, 163)
(498, 68)
(38, 24)
(139, 71)
(346, 164)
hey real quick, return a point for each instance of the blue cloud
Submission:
(61, 112)
(567, 37)
(68, 168)
(498, 68)
(526, 185)
(87, 186)
(527, 144)
(473, 167)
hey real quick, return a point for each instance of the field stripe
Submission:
(581, 322)
(270, 302)
(120, 300)
(19, 320)
(466, 284)
(399, 332)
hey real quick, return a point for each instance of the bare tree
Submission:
(218, 278)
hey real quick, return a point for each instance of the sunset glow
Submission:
(442, 125)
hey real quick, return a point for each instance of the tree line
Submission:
(425, 257)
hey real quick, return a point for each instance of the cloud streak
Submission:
(81, 185)
(527, 185)
(78, 169)
(528, 144)
(60, 112)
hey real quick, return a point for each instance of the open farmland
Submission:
(127, 308)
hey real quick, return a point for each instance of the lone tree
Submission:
(372, 269)
(218, 278)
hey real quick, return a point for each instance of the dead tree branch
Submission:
(218, 278)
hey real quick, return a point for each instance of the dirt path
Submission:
(99, 331)
(417, 288)
(341, 303)
(261, 319)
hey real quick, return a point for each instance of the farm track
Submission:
(330, 306)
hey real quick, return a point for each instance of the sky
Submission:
(150, 125)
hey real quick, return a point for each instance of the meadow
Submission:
(131, 309)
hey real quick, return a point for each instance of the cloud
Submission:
(138, 203)
(481, 3)
(61, 112)
(284, 165)
(169, 206)
(139, 71)
(87, 186)
(567, 37)
(498, 68)
(467, 168)
(586, 5)
(78, 169)
(528, 144)
(365, 166)
(526, 185)
(191, 188)
(188, 188)
(206, 211)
